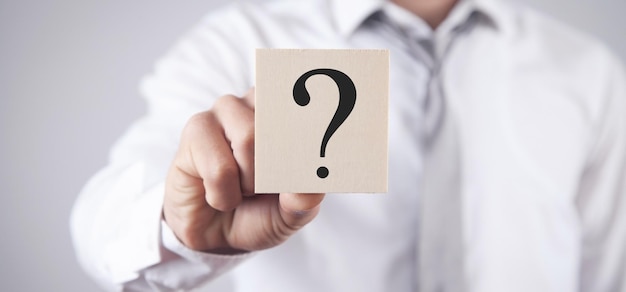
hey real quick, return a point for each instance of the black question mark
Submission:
(347, 99)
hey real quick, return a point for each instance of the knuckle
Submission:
(225, 101)
(197, 123)
(198, 119)
(223, 172)
(222, 186)
(246, 139)
(221, 203)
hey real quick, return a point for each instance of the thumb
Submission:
(297, 210)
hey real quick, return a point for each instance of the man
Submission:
(507, 161)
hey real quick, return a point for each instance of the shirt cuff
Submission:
(173, 244)
(137, 215)
(184, 268)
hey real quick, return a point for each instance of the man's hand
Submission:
(209, 192)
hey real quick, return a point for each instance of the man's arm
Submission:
(602, 197)
(135, 229)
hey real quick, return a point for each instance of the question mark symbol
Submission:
(347, 99)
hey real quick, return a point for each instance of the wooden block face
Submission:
(341, 127)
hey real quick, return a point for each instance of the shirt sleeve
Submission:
(116, 223)
(602, 198)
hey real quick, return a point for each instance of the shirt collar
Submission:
(497, 12)
(350, 14)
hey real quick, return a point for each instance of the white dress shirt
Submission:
(507, 159)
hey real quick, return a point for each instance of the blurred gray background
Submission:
(69, 71)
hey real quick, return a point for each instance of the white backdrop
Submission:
(68, 76)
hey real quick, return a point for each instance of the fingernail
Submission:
(301, 212)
